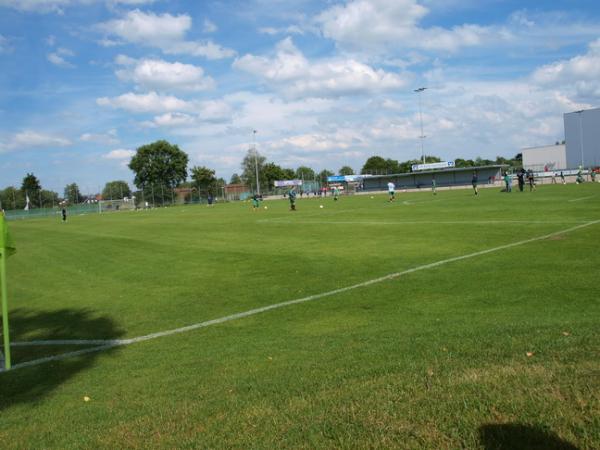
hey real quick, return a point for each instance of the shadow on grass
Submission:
(515, 436)
(30, 384)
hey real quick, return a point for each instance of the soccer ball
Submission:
(266, 207)
(320, 206)
(372, 196)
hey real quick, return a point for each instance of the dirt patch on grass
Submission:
(558, 237)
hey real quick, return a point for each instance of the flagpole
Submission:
(4, 309)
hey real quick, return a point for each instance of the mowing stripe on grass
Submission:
(108, 344)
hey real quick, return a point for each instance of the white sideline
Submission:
(425, 222)
(581, 198)
(108, 344)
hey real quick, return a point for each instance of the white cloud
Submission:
(5, 46)
(298, 77)
(174, 120)
(139, 27)
(580, 73)
(50, 40)
(156, 74)
(209, 27)
(211, 111)
(109, 137)
(291, 29)
(145, 103)
(58, 6)
(383, 24)
(59, 57)
(206, 49)
(31, 139)
(119, 154)
(142, 28)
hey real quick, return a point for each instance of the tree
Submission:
(459, 162)
(305, 173)
(235, 179)
(376, 165)
(116, 190)
(272, 173)
(346, 170)
(204, 178)
(288, 174)
(48, 198)
(159, 164)
(249, 164)
(323, 174)
(72, 194)
(31, 184)
(31, 187)
(12, 198)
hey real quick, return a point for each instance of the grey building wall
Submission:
(586, 125)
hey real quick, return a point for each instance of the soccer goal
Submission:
(115, 205)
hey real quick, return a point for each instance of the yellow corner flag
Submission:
(7, 248)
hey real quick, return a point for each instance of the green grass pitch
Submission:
(488, 351)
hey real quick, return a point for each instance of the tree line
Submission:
(161, 167)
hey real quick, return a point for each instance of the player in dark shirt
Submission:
(521, 178)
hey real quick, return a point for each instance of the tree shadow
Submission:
(516, 436)
(29, 384)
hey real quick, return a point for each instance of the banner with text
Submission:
(431, 166)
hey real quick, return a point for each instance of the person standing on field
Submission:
(508, 182)
(474, 181)
(292, 197)
(531, 180)
(255, 202)
(521, 179)
(64, 214)
(433, 185)
(562, 177)
(391, 191)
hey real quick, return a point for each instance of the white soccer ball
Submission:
(372, 196)
(320, 206)
(266, 207)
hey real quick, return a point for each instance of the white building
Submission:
(545, 158)
(582, 148)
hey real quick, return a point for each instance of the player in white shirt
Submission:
(392, 191)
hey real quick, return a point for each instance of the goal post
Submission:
(116, 205)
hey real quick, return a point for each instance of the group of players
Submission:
(521, 176)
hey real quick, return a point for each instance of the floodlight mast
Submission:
(255, 161)
(420, 91)
(579, 113)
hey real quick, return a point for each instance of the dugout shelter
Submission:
(444, 178)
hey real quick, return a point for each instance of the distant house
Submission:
(183, 194)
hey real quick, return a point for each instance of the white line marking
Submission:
(427, 222)
(40, 343)
(108, 344)
(582, 198)
(414, 202)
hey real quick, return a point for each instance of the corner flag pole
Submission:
(4, 308)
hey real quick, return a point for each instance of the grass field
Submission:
(486, 345)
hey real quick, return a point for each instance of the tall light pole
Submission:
(579, 113)
(255, 161)
(420, 91)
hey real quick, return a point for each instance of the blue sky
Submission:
(83, 83)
